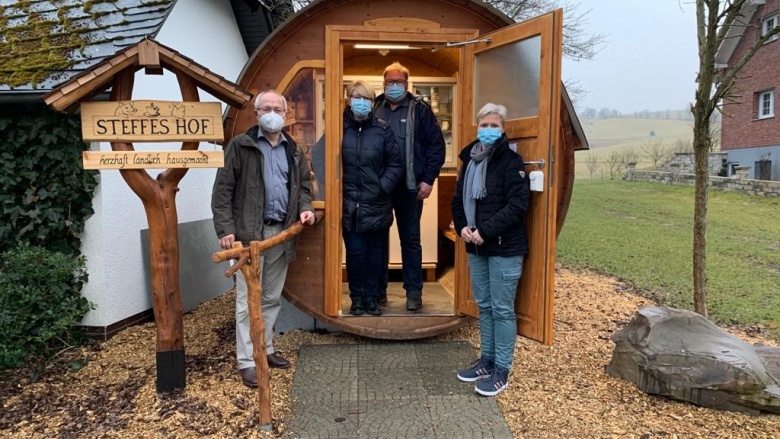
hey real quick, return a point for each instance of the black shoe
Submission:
(356, 309)
(248, 377)
(277, 362)
(413, 304)
(382, 299)
(373, 309)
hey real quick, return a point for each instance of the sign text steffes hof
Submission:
(151, 121)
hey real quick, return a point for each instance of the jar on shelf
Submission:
(302, 110)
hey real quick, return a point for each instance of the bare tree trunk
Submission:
(714, 20)
(701, 156)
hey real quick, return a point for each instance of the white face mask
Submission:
(271, 122)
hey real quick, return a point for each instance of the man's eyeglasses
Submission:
(396, 82)
(266, 110)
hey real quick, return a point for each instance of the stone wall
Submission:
(739, 182)
(683, 163)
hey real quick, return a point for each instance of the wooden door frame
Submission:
(546, 131)
(335, 37)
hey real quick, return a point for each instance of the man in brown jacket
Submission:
(263, 189)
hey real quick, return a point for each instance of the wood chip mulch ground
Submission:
(559, 391)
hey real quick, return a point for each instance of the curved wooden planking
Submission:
(383, 327)
(304, 289)
(302, 38)
(565, 168)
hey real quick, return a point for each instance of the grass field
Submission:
(610, 136)
(643, 234)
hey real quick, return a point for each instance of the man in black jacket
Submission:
(422, 144)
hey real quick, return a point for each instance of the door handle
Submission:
(539, 163)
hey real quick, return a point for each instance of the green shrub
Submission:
(45, 195)
(40, 303)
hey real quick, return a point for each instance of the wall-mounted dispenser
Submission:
(537, 181)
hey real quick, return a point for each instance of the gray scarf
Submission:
(474, 181)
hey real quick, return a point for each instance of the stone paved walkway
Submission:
(390, 390)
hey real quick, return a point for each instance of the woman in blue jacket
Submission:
(372, 165)
(488, 209)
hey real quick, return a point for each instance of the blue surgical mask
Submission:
(360, 107)
(395, 92)
(489, 135)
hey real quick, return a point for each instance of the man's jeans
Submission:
(364, 264)
(494, 286)
(408, 212)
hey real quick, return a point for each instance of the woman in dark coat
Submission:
(489, 209)
(372, 165)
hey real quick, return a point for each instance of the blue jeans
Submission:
(408, 211)
(364, 264)
(494, 286)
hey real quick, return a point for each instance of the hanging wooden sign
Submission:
(152, 159)
(151, 121)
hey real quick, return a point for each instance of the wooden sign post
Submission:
(123, 121)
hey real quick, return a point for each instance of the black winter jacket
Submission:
(372, 165)
(425, 149)
(500, 215)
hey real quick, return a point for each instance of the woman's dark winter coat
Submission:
(500, 215)
(372, 165)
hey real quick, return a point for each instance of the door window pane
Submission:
(304, 122)
(509, 75)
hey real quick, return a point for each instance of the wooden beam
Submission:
(218, 87)
(65, 97)
(149, 57)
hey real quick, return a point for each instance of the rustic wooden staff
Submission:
(248, 261)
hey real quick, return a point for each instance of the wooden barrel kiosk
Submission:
(461, 54)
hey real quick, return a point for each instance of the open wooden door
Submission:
(336, 36)
(519, 66)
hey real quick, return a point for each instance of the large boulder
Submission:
(681, 355)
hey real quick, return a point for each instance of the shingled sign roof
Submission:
(153, 56)
(46, 42)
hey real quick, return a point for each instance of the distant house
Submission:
(750, 132)
(219, 34)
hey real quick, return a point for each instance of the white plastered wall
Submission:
(206, 32)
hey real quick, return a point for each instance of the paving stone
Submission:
(408, 418)
(328, 357)
(325, 385)
(390, 390)
(451, 355)
(468, 416)
(336, 420)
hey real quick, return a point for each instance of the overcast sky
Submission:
(649, 60)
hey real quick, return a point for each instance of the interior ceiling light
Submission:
(384, 46)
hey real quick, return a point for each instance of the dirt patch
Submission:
(555, 391)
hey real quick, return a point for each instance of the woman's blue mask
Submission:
(360, 107)
(489, 135)
(395, 92)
